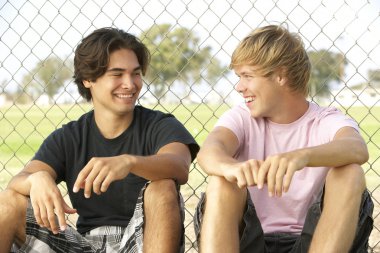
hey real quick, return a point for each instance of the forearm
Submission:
(337, 153)
(20, 184)
(160, 166)
(214, 160)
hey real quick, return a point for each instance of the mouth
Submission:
(124, 96)
(249, 99)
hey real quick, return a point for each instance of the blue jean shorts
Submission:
(253, 238)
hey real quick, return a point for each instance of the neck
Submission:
(111, 125)
(291, 110)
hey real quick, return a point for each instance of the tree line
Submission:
(178, 55)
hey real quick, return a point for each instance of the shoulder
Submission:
(77, 127)
(322, 112)
(238, 115)
(329, 119)
(85, 119)
(149, 117)
(329, 114)
(146, 113)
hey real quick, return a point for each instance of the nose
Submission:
(240, 87)
(127, 82)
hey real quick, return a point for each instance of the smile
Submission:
(249, 99)
(124, 95)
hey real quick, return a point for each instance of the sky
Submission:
(31, 31)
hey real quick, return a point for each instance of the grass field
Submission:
(23, 128)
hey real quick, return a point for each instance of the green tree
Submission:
(326, 67)
(48, 77)
(374, 77)
(177, 55)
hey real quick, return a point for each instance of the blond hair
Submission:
(272, 48)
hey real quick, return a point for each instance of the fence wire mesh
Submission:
(38, 38)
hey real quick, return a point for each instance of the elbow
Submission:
(362, 155)
(201, 157)
(183, 176)
(182, 180)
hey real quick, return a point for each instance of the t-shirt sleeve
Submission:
(168, 130)
(332, 120)
(52, 153)
(234, 121)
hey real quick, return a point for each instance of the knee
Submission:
(348, 179)
(220, 187)
(161, 192)
(12, 205)
(221, 191)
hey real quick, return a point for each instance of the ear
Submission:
(87, 83)
(282, 78)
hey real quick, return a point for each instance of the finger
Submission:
(262, 174)
(279, 179)
(98, 182)
(37, 213)
(80, 181)
(59, 210)
(271, 178)
(255, 170)
(288, 178)
(52, 219)
(89, 181)
(106, 183)
(241, 182)
(44, 216)
(248, 174)
(68, 209)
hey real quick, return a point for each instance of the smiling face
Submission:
(263, 95)
(117, 90)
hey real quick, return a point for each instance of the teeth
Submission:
(249, 99)
(124, 95)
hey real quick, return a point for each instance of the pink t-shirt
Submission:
(259, 138)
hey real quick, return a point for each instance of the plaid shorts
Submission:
(102, 239)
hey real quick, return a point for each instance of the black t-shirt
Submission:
(68, 149)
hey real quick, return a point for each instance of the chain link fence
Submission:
(38, 38)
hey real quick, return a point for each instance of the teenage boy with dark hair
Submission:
(122, 165)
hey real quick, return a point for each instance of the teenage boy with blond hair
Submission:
(284, 173)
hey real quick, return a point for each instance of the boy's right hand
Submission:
(47, 202)
(244, 174)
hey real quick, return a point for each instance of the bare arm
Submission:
(216, 158)
(347, 147)
(171, 161)
(37, 180)
(216, 153)
(21, 182)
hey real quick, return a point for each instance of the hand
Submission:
(278, 171)
(243, 173)
(100, 172)
(47, 202)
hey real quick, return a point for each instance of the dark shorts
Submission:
(102, 239)
(254, 240)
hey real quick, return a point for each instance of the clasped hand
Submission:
(276, 171)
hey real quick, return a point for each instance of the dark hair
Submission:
(93, 54)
